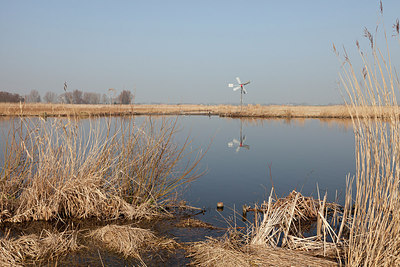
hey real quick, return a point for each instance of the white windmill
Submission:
(240, 86)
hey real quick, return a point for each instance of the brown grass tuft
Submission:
(55, 169)
(33, 249)
(224, 252)
(131, 241)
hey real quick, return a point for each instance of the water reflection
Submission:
(239, 143)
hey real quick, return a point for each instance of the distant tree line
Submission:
(10, 97)
(74, 97)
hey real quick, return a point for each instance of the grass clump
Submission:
(30, 249)
(229, 252)
(131, 241)
(60, 169)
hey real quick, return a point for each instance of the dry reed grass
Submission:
(34, 249)
(276, 238)
(250, 111)
(285, 220)
(55, 169)
(375, 226)
(226, 252)
(131, 241)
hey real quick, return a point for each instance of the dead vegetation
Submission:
(30, 249)
(61, 170)
(278, 235)
(247, 111)
(227, 252)
(54, 169)
(375, 225)
(131, 241)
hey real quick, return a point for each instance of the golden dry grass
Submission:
(375, 225)
(54, 170)
(276, 238)
(33, 249)
(131, 241)
(224, 252)
(261, 111)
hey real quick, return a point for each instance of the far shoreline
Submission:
(247, 111)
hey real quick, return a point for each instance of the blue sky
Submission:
(185, 51)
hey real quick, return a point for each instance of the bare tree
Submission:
(50, 97)
(104, 99)
(112, 93)
(125, 97)
(33, 97)
(91, 98)
(66, 98)
(77, 97)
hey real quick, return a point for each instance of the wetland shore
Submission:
(234, 111)
(256, 111)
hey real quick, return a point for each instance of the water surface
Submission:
(247, 156)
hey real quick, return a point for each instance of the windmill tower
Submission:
(240, 86)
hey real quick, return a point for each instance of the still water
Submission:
(245, 157)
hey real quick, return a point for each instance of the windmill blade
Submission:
(246, 146)
(246, 83)
(230, 144)
(237, 149)
(244, 138)
(237, 79)
(236, 141)
(236, 88)
(244, 91)
(230, 85)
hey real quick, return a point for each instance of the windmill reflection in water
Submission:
(239, 143)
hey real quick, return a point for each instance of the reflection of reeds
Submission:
(54, 169)
(375, 228)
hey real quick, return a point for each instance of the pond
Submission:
(244, 157)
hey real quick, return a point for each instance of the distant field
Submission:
(256, 111)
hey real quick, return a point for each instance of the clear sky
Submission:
(185, 51)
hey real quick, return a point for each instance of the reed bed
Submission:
(375, 227)
(131, 241)
(56, 169)
(247, 111)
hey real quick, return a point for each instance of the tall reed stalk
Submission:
(61, 169)
(375, 226)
